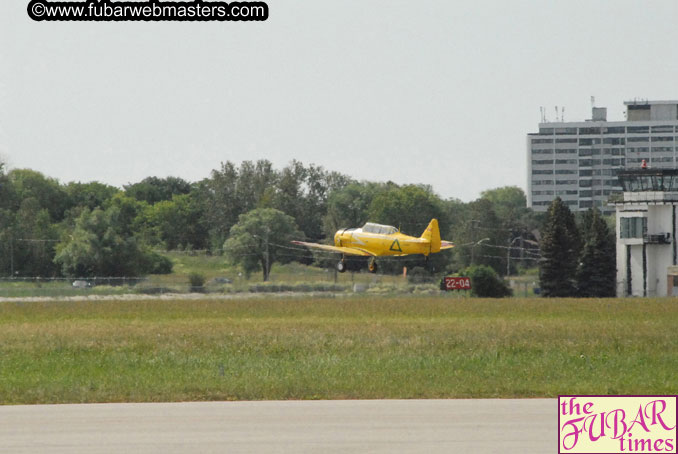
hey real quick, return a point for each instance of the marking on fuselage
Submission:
(395, 246)
(357, 240)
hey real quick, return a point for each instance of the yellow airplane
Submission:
(376, 240)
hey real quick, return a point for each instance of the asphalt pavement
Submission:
(356, 426)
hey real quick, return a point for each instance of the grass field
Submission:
(335, 348)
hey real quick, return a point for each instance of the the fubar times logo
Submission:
(617, 424)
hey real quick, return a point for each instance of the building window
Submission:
(562, 131)
(638, 149)
(542, 172)
(541, 182)
(633, 227)
(542, 140)
(662, 128)
(589, 131)
(638, 139)
(589, 141)
(615, 130)
(566, 140)
(614, 141)
(638, 129)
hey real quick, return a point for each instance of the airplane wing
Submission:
(446, 245)
(338, 249)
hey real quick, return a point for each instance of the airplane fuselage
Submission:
(382, 244)
(377, 240)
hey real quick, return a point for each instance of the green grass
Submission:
(335, 348)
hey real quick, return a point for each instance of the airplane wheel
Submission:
(372, 266)
(341, 266)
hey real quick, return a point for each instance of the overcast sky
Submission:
(441, 93)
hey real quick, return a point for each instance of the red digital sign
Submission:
(457, 283)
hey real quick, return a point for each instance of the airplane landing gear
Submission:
(341, 266)
(372, 266)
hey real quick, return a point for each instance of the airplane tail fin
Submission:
(432, 234)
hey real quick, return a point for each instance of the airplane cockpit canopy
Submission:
(371, 227)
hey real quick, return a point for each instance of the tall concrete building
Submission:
(579, 161)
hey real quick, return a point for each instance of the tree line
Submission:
(249, 212)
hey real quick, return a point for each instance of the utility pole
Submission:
(11, 256)
(267, 266)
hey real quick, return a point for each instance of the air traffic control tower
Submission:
(646, 232)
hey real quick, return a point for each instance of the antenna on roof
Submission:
(562, 114)
(593, 102)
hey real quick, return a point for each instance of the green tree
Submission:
(7, 193)
(179, 222)
(597, 271)
(303, 193)
(100, 245)
(89, 195)
(34, 245)
(479, 236)
(153, 189)
(49, 194)
(409, 207)
(299, 191)
(219, 199)
(559, 252)
(509, 202)
(519, 223)
(255, 185)
(127, 215)
(260, 238)
(349, 206)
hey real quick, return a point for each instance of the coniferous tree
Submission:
(596, 275)
(559, 252)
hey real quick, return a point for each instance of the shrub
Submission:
(197, 281)
(418, 275)
(485, 282)
(160, 264)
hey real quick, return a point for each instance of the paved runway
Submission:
(358, 426)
